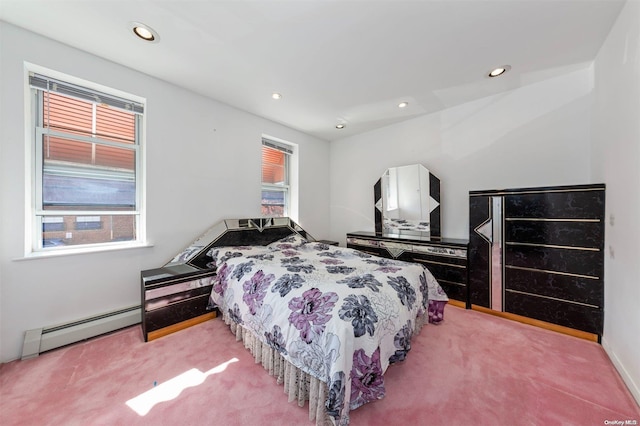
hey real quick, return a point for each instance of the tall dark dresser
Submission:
(538, 253)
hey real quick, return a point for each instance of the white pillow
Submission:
(291, 242)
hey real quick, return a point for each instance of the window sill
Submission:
(82, 250)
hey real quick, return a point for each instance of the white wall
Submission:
(582, 127)
(616, 161)
(203, 165)
(537, 135)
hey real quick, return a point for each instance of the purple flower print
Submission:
(229, 255)
(295, 264)
(289, 253)
(340, 269)
(406, 293)
(286, 283)
(335, 399)
(241, 269)
(261, 256)
(292, 241)
(332, 254)
(358, 310)
(361, 281)
(424, 289)
(255, 289)
(367, 383)
(381, 262)
(235, 314)
(291, 261)
(321, 246)
(310, 312)
(285, 246)
(385, 265)
(331, 261)
(388, 269)
(222, 279)
(361, 254)
(402, 342)
(275, 339)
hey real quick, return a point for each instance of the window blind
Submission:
(277, 145)
(64, 88)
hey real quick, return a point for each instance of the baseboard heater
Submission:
(45, 339)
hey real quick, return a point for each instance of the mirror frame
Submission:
(434, 215)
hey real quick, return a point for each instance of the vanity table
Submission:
(445, 258)
(407, 227)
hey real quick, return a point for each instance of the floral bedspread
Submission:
(338, 314)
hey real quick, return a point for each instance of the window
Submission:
(276, 188)
(86, 156)
(52, 223)
(88, 222)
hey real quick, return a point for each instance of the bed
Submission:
(327, 321)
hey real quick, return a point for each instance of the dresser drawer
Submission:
(177, 312)
(445, 269)
(447, 261)
(172, 299)
(366, 246)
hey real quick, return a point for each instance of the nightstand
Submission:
(174, 298)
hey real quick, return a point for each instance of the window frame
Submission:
(289, 150)
(34, 238)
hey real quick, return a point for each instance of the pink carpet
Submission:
(473, 369)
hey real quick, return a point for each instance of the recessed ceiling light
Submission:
(276, 96)
(340, 126)
(403, 104)
(145, 32)
(499, 70)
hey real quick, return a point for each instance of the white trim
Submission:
(29, 67)
(634, 388)
(86, 212)
(141, 180)
(294, 183)
(29, 169)
(47, 338)
(71, 250)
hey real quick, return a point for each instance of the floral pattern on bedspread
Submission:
(338, 314)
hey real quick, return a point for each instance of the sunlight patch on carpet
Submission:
(172, 388)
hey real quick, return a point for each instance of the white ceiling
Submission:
(350, 61)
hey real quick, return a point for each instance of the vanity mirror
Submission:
(407, 201)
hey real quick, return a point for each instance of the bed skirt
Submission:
(298, 385)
